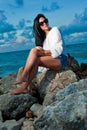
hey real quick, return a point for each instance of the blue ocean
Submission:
(10, 62)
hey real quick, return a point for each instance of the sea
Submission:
(10, 62)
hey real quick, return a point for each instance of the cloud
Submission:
(77, 30)
(79, 24)
(53, 7)
(19, 39)
(4, 25)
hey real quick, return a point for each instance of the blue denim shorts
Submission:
(63, 60)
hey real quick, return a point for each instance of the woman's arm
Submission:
(42, 52)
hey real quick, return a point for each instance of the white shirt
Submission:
(53, 42)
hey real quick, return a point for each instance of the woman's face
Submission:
(43, 23)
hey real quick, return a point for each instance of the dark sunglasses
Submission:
(42, 23)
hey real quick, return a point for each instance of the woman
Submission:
(48, 53)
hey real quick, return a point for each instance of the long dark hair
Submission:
(39, 34)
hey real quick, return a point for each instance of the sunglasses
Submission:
(42, 23)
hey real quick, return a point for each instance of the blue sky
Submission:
(16, 20)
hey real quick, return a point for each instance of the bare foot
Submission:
(18, 91)
(21, 80)
(22, 89)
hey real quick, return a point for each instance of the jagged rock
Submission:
(15, 106)
(67, 113)
(66, 102)
(83, 66)
(7, 83)
(50, 82)
(73, 63)
(80, 70)
(71, 89)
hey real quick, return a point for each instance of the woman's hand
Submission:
(42, 52)
(47, 52)
(39, 48)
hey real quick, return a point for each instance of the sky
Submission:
(16, 21)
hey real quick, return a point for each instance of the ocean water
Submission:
(10, 62)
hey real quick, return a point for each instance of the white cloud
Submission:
(2, 41)
(4, 45)
(20, 39)
(5, 35)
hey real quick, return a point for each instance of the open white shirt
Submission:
(54, 43)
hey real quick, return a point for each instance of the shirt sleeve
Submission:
(57, 43)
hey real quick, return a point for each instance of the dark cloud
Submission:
(79, 24)
(4, 25)
(54, 6)
(73, 28)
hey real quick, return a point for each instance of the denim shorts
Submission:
(63, 60)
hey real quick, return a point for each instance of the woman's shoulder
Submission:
(55, 29)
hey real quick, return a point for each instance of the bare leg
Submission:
(31, 61)
(31, 68)
(23, 87)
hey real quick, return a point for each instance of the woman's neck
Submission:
(47, 31)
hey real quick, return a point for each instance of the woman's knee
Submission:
(33, 50)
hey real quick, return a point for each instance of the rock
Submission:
(27, 128)
(71, 89)
(20, 121)
(36, 109)
(73, 63)
(54, 97)
(83, 66)
(28, 124)
(69, 113)
(1, 119)
(7, 83)
(80, 70)
(9, 125)
(50, 82)
(15, 106)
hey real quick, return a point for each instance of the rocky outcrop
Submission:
(57, 100)
(80, 70)
(15, 106)
(68, 110)
(50, 82)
